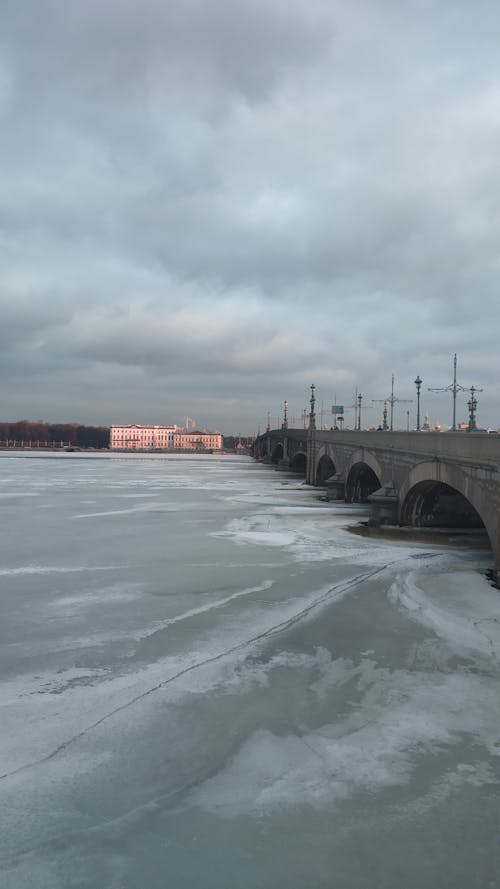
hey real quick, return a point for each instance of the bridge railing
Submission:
(474, 446)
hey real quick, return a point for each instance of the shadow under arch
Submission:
(361, 481)
(435, 504)
(277, 453)
(299, 463)
(325, 469)
(446, 488)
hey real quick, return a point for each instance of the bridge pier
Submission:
(285, 449)
(384, 506)
(495, 576)
(311, 460)
(335, 487)
(283, 464)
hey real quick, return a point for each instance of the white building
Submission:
(137, 437)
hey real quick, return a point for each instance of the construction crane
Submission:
(392, 400)
(454, 388)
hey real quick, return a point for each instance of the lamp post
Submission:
(392, 400)
(360, 398)
(418, 383)
(453, 388)
(312, 415)
(472, 405)
(285, 416)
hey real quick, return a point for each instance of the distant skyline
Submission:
(206, 207)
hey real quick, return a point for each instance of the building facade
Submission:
(197, 441)
(133, 436)
(136, 437)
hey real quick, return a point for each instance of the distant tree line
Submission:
(40, 434)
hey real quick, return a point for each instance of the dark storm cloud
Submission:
(206, 206)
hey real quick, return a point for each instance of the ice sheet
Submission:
(400, 718)
(236, 668)
(464, 609)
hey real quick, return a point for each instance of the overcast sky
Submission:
(208, 205)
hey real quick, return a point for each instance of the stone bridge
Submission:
(286, 448)
(421, 479)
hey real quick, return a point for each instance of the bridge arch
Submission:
(277, 452)
(434, 504)
(325, 468)
(362, 455)
(437, 494)
(363, 476)
(360, 483)
(298, 462)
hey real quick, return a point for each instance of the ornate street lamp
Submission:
(285, 416)
(472, 405)
(384, 424)
(312, 415)
(418, 383)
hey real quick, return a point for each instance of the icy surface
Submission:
(207, 681)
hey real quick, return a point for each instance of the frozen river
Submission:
(207, 682)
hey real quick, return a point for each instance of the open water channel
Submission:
(208, 682)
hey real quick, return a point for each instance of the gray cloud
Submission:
(206, 207)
